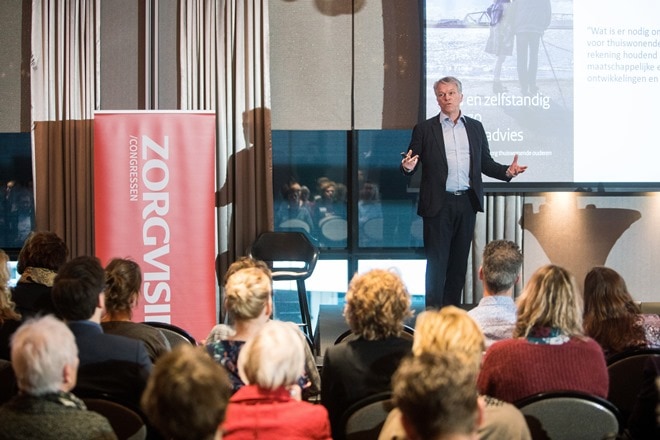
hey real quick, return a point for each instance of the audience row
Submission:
(256, 377)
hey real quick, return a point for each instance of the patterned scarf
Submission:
(38, 275)
(547, 336)
(64, 399)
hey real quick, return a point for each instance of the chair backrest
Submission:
(364, 419)
(294, 252)
(569, 415)
(652, 307)
(127, 424)
(348, 335)
(175, 335)
(294, 224)
(625, 371)
(334, 228)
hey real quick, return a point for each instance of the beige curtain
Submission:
(225, 67)
(499, 221)
(63, 92)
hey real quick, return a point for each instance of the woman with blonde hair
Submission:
(549, 351)
(268, 405)
(377, 303)
(123, 279)
(10, 320)
(248, 300)
(452, 330)
(612, 317)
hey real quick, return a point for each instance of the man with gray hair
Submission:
(499, 272)
(44, 357)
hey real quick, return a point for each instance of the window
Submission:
(17, 196)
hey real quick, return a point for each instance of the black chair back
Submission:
(175, 335)
(626, 375)
(364, 419)
(569, 415)
(292, 257)
(127, 424)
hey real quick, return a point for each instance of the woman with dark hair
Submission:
(42, 255)
(612, 317)
(123, 283)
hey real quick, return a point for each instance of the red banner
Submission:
(154, 185)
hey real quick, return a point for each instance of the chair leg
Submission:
(304, 309)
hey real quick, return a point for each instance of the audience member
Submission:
(39, 260)
(437, 397)
(248, 300)
(9, 318)
(451, 330)
(269, 405)
(377, 303)
(499, 273)
(187, 395)
(612, 317)
(327, 204)
(45, 360)
(292, 207)
(222, 330)
(110, 365)
(549, 351)
(123, 279)
(370, 209)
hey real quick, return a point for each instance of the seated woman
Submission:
(377, 303)
(123, 282)
(40, 258)
(269, 405)
(611, 316)
(9, 318)
(187, 395)
(452, 330)
(248, 301)
(549, 351)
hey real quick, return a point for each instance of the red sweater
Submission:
(255, 413)
(514, 368)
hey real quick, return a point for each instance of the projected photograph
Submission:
(515, 60)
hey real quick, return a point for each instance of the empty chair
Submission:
(174, 334)
(364, 419)
(127, 424)
(625, 370)
(291, 257)
(569, 415)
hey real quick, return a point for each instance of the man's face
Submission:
(449, 98)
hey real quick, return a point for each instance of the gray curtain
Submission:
(499, 221)
(225, 67)
(64, 90)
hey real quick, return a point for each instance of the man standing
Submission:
(453, 150)
(499, 272)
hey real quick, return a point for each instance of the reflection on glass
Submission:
(309, 169)
(387, 200)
